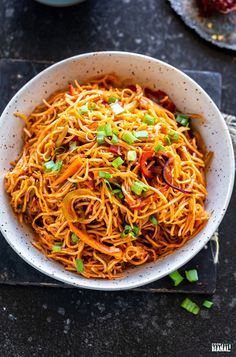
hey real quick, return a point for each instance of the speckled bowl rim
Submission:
(97, 284)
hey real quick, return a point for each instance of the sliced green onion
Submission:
(141, 134)
(114, 139)
(159, 147)
(79, 265)
(135, 230)
(148, 119)
(176, 277)
(129, 230)
(73, 146)
(208, 304)
(128, 137)
(108, 129)
(83, 109)
(116, 131)
(132, 155)
(108, 184)
(117, 162)
(112, 99)
(138, 187)
(153, 220)
(74, 238)
(174, 135)
(116, 108)
(101, 137)
(182, 119)
(48, 166)
(105, 175)
(118, 192)
(192, 275)
(91, 105)
(190, 306)
(57, 247)
(168, 140)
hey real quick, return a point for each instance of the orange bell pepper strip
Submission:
(70, 171)
(112, 250)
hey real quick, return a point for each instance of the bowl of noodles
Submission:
(116, 169)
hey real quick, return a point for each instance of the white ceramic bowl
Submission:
(186, 94)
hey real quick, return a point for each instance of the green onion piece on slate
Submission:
(112, 99)
(176, 277)
(117, 162)
(79, 265)
(74, 238)
(138, 187)
(105, 175)
(84, 109)
(159, 147)
(190, 306)
(114, 139)
(73, 146)
(141, 134)
(148, 119)
(91, 105)
(128, 137)
(182, 119)
(132, 156)
(208, 304)
(192, 275)
(153, 220)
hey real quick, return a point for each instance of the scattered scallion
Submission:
(153, 220)
(101, 137)
(57, 247)
(84, 109)
(138, 187)
(190, 306)
(172, 136)
(50, 166)
(74, 238)
(141, 134)
(182, 119)
(79, 265)
(105, 175)
(132, 155)
(208, 304)
(176, 277)
(159, 147)
(117, 162)
(118, 192)
(108, 129)
(116, 108)
(192, 275)
(128, 137)
(112, 99)
(148, 119)
(114, 139)
(135, 230)
(129, 230)
(91, 105)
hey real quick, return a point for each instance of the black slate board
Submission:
(14, 271)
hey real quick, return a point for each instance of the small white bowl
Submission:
(186, 94)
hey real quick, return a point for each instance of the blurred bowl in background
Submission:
(60, 3)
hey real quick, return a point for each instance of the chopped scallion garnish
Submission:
(91, 105)
(132, 155)
(108, 129)
(57, 247)
(182, 119)
(208, 304)
(176, 277)
(159, 147)
(84, 109)
(116, 108)
(112, 99)
(117, 162)
(172, 136)
(148, 119)
(128, 137)
(135, 230)
(105, 175)
(190, 306)
(114, 139)
(138, 187)
(79, 265)
(129, 230)
(192, 275)
(101, 137)
(50, 166)
(153, 220)
(118, 192)
(74, 238)
(141, 134)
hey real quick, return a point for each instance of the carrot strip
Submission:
(70, 171)
(114, 251)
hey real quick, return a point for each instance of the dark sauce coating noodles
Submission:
(107, 178)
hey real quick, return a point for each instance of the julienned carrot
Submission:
(114, 251)
(70, 171)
